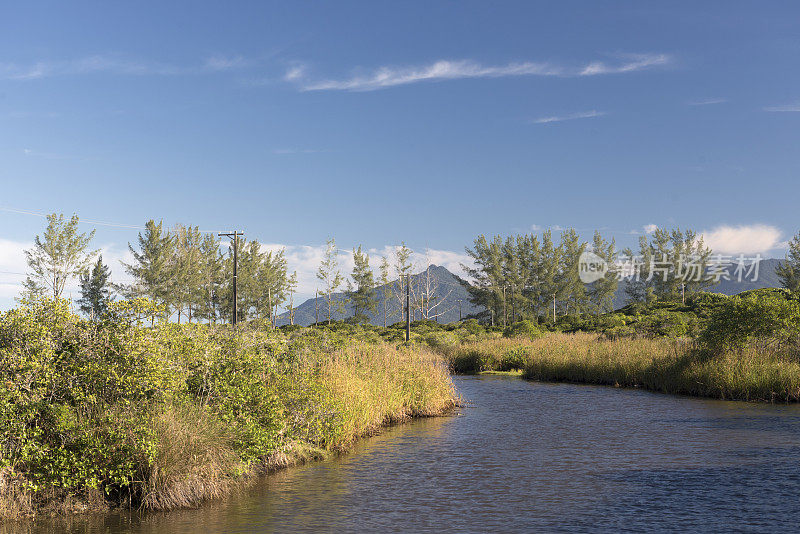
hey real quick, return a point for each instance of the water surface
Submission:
(527, 456)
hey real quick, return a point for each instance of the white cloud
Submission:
(743, 239)
(572, 116)
(634, 62)
(650, 228)
(708, 102)
(390, 76)
(784, 108)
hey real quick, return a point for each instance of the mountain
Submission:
(447, 292)
(451, 293)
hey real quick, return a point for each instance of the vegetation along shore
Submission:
(105, 412)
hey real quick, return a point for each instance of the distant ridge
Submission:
(450, 292)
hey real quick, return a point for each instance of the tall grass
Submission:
(661, 364)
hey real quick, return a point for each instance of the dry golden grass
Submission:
(373, 385)
(664, 365)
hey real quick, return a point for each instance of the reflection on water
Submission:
(528, 456)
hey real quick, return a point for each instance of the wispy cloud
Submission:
(391, 76)
(299, 150)
(784, 108)
(571, 116)
(708, 102)
(114, 65)
(633, 63)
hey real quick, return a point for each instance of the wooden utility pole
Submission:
(408, 307)
(505, 314)
(235, 236)
(459, 310)
(316, 306)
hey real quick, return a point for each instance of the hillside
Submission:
(447, 292)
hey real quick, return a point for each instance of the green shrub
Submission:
(526, 328)
(768, 320)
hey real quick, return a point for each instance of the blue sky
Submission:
(377, 122)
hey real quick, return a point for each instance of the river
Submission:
(527, 456)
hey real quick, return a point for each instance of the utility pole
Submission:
(316, 306)
(408, 307)
(459, 310)
(235, 236)
(554, 308)
(505, 314)
(683, 293)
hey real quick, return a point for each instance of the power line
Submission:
(89, 221)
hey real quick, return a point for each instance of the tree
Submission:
(550, 272)
(361, 291)
(571, 287)
(486, 273)
(95, 290)
(386, 288)
(291, 287)
(151, 265)
(328, 273)
(431, 300)
(207, 298)
(789, 271)
(601, 292)
(402, 269)
(56, 257)
(185, 276)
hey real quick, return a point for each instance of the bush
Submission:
(168, 415)
(526, 328)
(767, 320)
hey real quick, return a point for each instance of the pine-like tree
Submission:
(386, 289)
(151, 265)
(601, 292)
(56, 257)
(95, 290)
(331, 278)
(789, 271)
(361, 291)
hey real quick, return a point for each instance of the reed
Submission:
(664, 365)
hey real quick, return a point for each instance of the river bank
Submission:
(661, 365)
(97, 415)
(571, 458)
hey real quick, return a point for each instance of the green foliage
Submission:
(768, 319)
(361, 291)
(789, 271)
(95, 290)
(525, 328)
(84, 405)
(56, 257)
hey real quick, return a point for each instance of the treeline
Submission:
(185, 271)
(533, 276)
